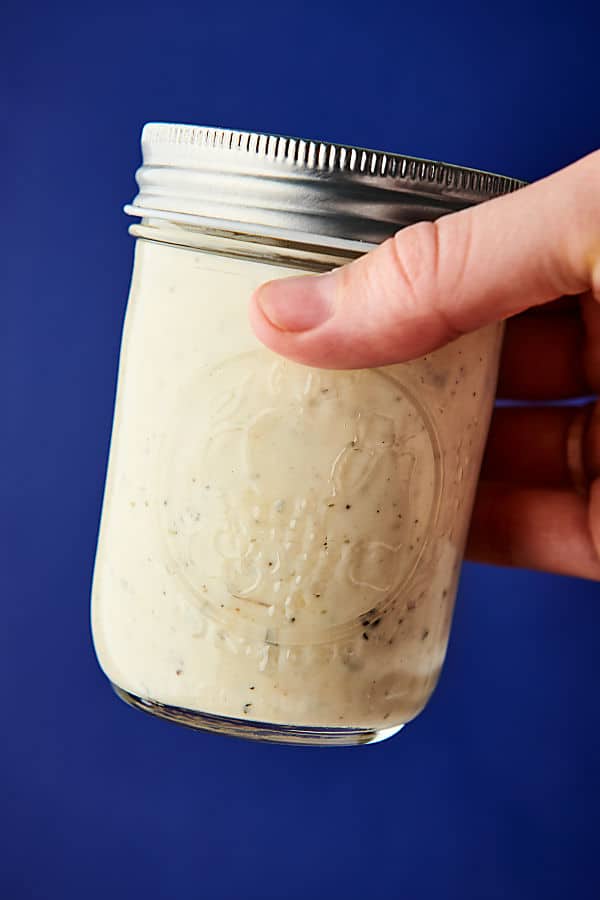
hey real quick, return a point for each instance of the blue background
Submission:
(494, 791)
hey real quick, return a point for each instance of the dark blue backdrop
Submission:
(495, 791)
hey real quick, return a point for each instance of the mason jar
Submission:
(280, 545)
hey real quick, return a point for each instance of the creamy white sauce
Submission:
(279, 543)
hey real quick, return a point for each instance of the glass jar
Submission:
(280, 546)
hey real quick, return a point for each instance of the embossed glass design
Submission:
(280, 546)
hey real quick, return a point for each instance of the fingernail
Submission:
(298, 304)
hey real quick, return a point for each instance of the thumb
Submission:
(434, 281)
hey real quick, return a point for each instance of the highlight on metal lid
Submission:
(249, 182)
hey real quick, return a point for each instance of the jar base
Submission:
(301, 735)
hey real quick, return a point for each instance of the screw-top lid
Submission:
(258, 183)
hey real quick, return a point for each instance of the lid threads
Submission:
(258, 183)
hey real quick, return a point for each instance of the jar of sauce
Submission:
(280, 546)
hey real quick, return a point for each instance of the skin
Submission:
(532, 258)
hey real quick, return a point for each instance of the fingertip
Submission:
(260, 324)
(293, 317)
(285, 343)
(299, 303)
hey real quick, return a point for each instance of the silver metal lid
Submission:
(258, 183)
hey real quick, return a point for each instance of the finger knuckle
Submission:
(414, 253)
(432, 271)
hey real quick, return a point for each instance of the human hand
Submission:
(533, 256)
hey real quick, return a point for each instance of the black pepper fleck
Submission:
(365, 636)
